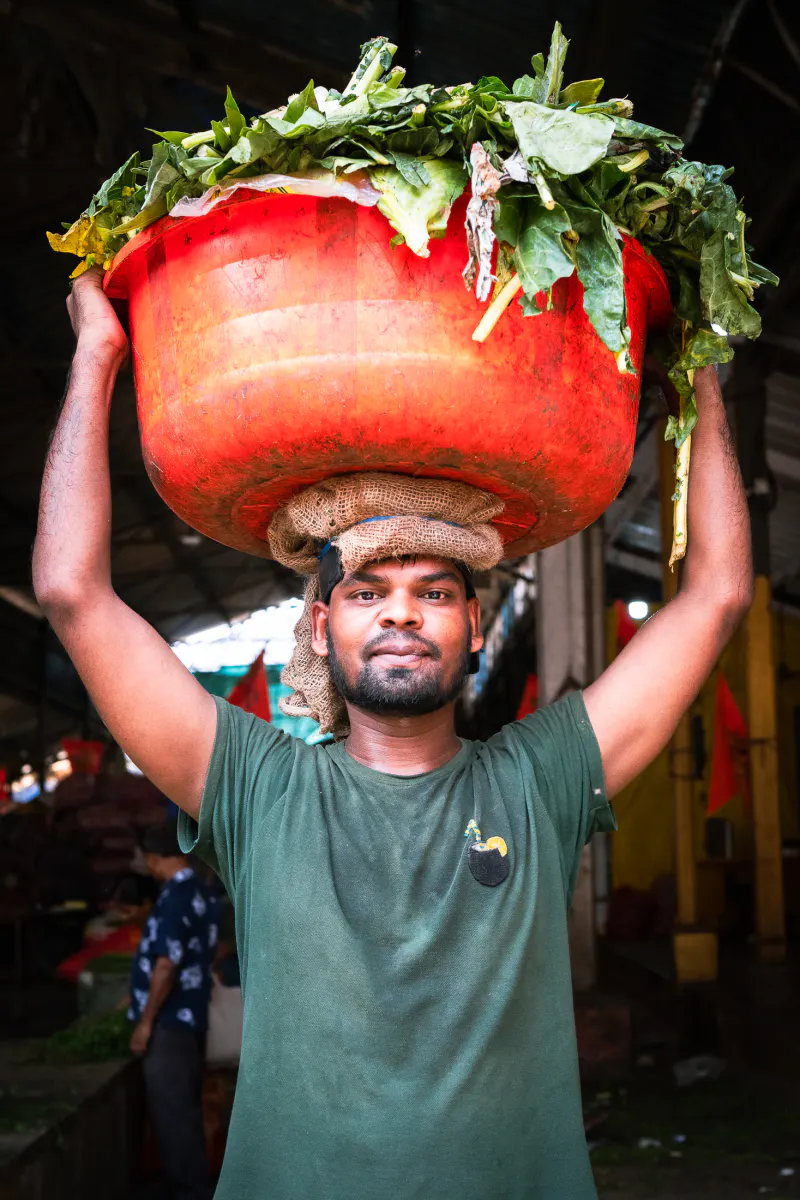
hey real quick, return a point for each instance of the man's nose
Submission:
(400, 611)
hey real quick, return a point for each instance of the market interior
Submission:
(85, 82)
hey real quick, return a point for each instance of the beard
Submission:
(400, 691)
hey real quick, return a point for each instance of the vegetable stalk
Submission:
(680, 511)
(497, 308)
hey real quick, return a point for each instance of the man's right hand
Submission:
(92, 315)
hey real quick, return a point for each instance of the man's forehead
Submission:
(427, 569)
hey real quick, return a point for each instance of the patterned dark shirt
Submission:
(182, 927)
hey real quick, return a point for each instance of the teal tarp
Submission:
(220, 683)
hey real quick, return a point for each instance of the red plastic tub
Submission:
(280, 339)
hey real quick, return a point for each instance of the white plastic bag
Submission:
(225, 1019)
(356, 187)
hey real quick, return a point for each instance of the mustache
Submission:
(408, 642)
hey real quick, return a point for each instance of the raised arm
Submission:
(636, 704)
(152, 705)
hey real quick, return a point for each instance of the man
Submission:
(170, 989)
(401, 896)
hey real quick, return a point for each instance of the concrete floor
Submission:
(737, 1137)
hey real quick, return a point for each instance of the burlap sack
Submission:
(435, 517)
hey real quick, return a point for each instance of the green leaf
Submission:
(508, 217)
(717, 215)
(599, 260)
(383, 98)
(419, 213)
(527, 88)
(310, 121)
(341, 164)
(626, 128)
(113, 187)
(171, 135)
(222, 139)
(161, 175)
(685, 423)
(723, 301)
(704, 349)
(760, 274)
(412, 169)
(688, 177)
(687, 302)
(234, 118)
(147, 216)
(492, 86)
(301, 103)
(540, 258)
(529, 307)
(553, 76)
(181, 188)
(586, 92)
(559, 139)
(252, 146)
(419, 142)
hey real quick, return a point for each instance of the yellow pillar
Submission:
(695, 951)
(770, 919)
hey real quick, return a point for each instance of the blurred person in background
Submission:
(170, 990)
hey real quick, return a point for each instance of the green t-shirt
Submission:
(408, 1031)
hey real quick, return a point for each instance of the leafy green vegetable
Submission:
(570, 176)
(724, 302)
(541, 257)
(598, 255)
(113, 189)
(236, 121)
(97, 1038)
(559, 140)
(418, 213)
(585, 92)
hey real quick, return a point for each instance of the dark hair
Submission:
(162, 840)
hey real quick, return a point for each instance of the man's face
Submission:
(398, 635)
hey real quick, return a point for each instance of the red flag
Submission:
(251, 693)
(530, 697)
(729, 774)
(626, 626)
(85, 757)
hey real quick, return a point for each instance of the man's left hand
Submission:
(140, 1038)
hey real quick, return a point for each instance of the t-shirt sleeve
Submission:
(559, 743)
(249, 771)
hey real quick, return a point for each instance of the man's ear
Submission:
(319, 628)
(474, 607)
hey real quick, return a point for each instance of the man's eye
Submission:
(365, 595)
(435, 594)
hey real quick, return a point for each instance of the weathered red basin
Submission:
(280, 339)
